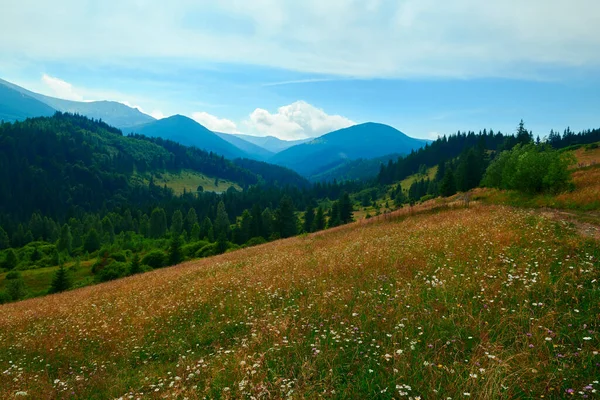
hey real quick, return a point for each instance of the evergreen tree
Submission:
(65, 240)
(108, 229)
(10, 259)
(191, 219)
(268, 223)
(16, 288)
(61, 281)
(244, 228)
(256, 224)
(334, 215)
(135, 265)
(175, 254)
(448, 184)
(195, 234)
(346, 209)
(158, 223)
(4, 241)
(221, 227)
(309, 219)
(206, 230)
(319, 223)
(92, 241)
(286, 220)
(177, 223)
(523, 135)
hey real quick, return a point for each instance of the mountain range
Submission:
(330, 156)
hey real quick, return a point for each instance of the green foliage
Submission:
(221, 225)
(346, 209)
(4, 240)
(309, 219)
(320, 222)
(158, 223)
(155, 259)
(112, 271)
(530, 169)
(92, 241)
(286, 219)
(175, 253)
(13, 275)
(10, 259)
(61, 281)
(135, 267)
(16, 289)
(448, 184)
(255, 241)
(190, 250)
(211, 249)
(177, 223)
(65, 241)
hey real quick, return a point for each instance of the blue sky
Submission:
(299, 69)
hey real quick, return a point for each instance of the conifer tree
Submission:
(175, 254)
(309, 219)
(4, 241)
(135, 265)
(177, 223)
(319, 223)
(448, 185)
(61, 281)
(221, 227)
(92, 241)
(10, 260)
(158, 223)
(65, 240)
(286, 220)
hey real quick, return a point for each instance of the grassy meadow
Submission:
(482, 302)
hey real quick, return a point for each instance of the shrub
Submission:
(155, 259)
(13, 275)
(208, 250)
(112, 271)
(255, 241)
(530, 169)
(189, 250)
(120, 256)
(4, 297)
(16, 289)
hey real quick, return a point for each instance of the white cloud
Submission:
(360, 38)
(298, 120)
(157, 114)
(61, 89)
(214, 123)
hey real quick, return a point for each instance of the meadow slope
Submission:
(483, 302)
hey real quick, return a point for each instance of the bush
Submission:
(4, 297)
(16, 289)
(155, 259)
(255, 241)
(208, 250)
(189, 250)
(530, 169)
(120, 256)
(13, 275)
(112, 271)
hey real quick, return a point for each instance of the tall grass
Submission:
(486, 302)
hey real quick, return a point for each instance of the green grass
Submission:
(189, 180)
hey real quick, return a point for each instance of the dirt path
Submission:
(586, 223)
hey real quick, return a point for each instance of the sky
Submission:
(297, 69)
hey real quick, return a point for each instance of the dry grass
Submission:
(488, 301)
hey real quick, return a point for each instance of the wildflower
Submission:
(587, 338)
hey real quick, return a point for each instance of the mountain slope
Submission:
(66, 163)
(350, 170)
(188, 132)
(271, 143)
(15, 105)
(251, 149)
(366, 141)
(112, 112)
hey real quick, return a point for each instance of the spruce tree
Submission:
(221, 227)
(309, 219)
(10, 260)
(92, 241)
(191, 219)
(448, 185)
(346, 209)
(177, 223)
(158, 223)
(175, 254)
(195, 233)
(287, 222)
(61, 281)
(135, 267)
(319, 223)
(334, 215)
(65, 241)
(4, 241)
